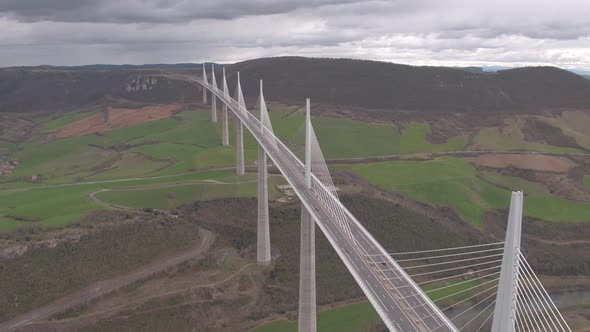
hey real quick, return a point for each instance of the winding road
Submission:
(104, 287)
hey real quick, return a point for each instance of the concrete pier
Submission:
(263, 244)
(224, 127)
(307, 289)
(213, 109)
(240, 168)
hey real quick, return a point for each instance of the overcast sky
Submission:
(434, 32)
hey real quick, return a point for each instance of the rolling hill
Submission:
(367, 84)
(392, 86)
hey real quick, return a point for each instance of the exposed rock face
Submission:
(141, 83)
(21, 249)
(14, 251)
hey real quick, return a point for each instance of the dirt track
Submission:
(540, 163)
(107, 286)
(467, 153)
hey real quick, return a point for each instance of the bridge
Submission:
(521, 303)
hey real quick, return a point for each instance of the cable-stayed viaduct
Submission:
(519, 300)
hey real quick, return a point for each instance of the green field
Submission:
(574, 124)
(345, 138)
(54, 121)
(515, 183)
(62, 204)
(168, 197)
(7, 147)
(338, 137)
(414, 140)
(510, 137)
(587, 181)
(189, 142)
(539, 202)
(348, 318)
(359, 316)
(455, 183)
(69, 159)
(186, 142)
(437, 291)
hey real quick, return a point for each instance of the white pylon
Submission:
(263, 243)
(505, 309)
(204, 88)
(261, 109)
(241, 101)
(240, 168)
(307, 144)
(224, 129)
(213, 98)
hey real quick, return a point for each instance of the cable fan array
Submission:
(320, 170)
(535, 310)
(462, 281)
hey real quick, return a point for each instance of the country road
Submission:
(350, 160)
(104, 287)
(107, 286)
(358, 160)
(84, 183)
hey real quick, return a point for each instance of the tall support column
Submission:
(505, 309)
(224, 129)
(307, 292)
(240, 169)
(307, 289)
(213, 97)
(263, 244)
(204, 89)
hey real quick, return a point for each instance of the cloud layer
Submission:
(442, 32)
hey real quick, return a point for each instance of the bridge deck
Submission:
(399, 301)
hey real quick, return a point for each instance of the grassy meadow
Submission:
(574, 124)
(347, 318)
(413, 139)
(361, 316)
(62, 204)
(454, 183)
(510, 137)
(167, 196)
(188, 143)
(185, 143)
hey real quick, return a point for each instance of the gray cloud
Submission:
(443, 32)
(152, 11)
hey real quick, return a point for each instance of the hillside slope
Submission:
(41, 89)
(392, 86)
(367, 84)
